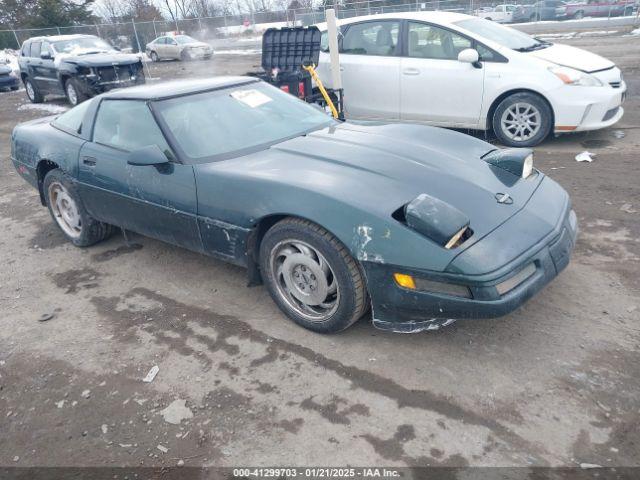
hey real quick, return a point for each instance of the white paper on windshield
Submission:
(251, 98)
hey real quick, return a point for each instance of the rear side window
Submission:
(26, 49)
(71, 121)
(429, 41)
(128, 125)
(372, 38)
(35, 49)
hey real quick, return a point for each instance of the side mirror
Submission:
(45, 55)
(468, 55)
(150, 155)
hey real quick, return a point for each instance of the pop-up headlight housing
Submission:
(518, 161)
(437, 220)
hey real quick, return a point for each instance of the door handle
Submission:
(90, 161)
(411, 71)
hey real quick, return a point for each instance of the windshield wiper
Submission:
(535, 46)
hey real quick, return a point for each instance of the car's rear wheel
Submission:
(33, 94)
(628, 11)
(535, 17)
(522, 120)
(154, 57)
(68, 212)
(312, 277)
(578, 15)
(73, 92)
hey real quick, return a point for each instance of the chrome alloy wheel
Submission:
(521, 121)
(31, 93)
(72, 95)
(65, 210)
(304, 280)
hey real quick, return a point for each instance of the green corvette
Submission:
(422, 225)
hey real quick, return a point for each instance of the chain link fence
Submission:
(133, 36)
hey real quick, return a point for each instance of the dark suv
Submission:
(78, 66)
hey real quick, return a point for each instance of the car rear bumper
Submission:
(402, 310)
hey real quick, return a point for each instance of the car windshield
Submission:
(234, 121)
(82, 46)
(182, 39)
(505, 36)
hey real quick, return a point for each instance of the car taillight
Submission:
(285, 88)
(301, 92)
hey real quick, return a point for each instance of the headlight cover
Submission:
(437, 220)
(570, 76)
(518, 161)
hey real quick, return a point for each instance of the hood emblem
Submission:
(504, 198)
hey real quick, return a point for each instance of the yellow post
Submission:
(325, 95)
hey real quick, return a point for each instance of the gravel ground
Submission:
(555, 383)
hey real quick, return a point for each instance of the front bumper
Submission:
(403, 310)
(103, 79)
(7, 81)
(587, 108)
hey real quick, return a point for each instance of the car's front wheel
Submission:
(33, 94)
(522, 120)
(312, 277)
(68, 212)
(154, 57)
(185, 56)
(73, 92)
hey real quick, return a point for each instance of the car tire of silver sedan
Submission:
(312, 277)
(69, 213)
(522, 120)
(154, 57)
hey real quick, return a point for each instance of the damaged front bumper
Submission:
(440, 298)
(97, 80)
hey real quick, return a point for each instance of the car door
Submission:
(370, 68)
(172, 48)
(47, 68)
(35, 67)
(162, 48)
(435, 87)
(155, 200)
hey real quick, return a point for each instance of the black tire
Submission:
(535, 17)
(91, 230)
(33, 94)
(14, 88)
(545, 113)
(628, 12)
(352, 301)
(154, 57)
(77, 97)
(185, 56)
(578, 15)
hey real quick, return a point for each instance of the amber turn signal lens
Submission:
(405, 281)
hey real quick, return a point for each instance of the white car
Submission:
(455, 70)
(499, 13)
(178, 47)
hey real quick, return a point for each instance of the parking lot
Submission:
(555, 383)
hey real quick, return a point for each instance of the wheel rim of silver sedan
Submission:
(65, 210)
(305, 280)
(71, 93)
(30, 92)
(521, 121)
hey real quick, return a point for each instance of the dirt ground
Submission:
(556, 383)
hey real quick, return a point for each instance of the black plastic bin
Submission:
(284, 52)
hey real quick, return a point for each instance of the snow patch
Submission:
(44, 107)
(248, 51)
(10, 57)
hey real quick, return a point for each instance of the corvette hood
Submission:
(102, 59)
(573, 57)
(379, 169)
